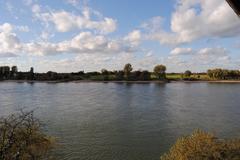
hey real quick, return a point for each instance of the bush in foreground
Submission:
(21, 138)
(204, 146)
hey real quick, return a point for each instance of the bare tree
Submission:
(21, 138)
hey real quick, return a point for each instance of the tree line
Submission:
(223, 74)
(126, 74)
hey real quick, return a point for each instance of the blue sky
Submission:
(74, 35)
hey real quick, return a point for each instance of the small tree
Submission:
(160, 71)
(188, 73)
(127, 70)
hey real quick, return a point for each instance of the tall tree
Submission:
(127, 70)
(187, 73)
(160, 71)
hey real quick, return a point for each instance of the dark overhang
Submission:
(235, 4)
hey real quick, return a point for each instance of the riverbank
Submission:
(93, 81)
(80, 81)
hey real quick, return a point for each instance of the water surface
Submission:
(111, 121)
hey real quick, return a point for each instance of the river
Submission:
(121, 121)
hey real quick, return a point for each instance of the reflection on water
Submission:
(121, 121)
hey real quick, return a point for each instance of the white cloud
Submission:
(22, 28)
(199, 60)
(9, 42)
(210, 55)
(181, 51)
(196, 19)
(84, 42)
(6, 28)
(66, 21)
(7, 55)
(134, 37)
(36, 8)
(46, 35)
(94, 62)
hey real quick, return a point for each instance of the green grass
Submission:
(174, 76)
(179, 76)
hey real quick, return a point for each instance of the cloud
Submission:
(212, 55)
(134, 37)
(22, 28)
(196, 19)
(36, 8)
(181, 51)
(7, 55)
(84, 42)
(94, 62)
(199, 59)
(6, 28)
(9, 42)
(65, 21)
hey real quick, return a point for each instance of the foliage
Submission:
(187, 73)
(140, 76)
(127, 70)
(223, 74)
(105, 74)
(119, 75)
(203, 146)
(160, 71)
(21, 138)
(145, 76)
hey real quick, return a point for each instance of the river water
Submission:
(120, 121)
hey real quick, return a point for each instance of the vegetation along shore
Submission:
(127, 74)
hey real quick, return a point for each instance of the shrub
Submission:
(21, 138)
(203, 146)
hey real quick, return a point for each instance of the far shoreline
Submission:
(136, 82)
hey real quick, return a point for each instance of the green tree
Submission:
(119, 75)
(160, 71)
(105, 74)
(145, 76)
(210, 73)
(127, 70)
(187, 73)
